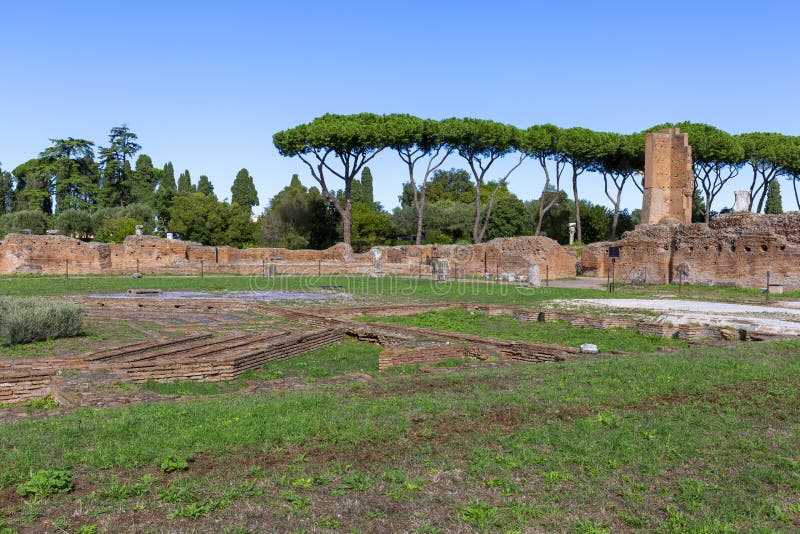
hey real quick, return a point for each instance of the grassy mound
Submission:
(24, 321)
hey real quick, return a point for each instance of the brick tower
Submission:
(668, 178)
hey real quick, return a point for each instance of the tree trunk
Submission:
(476, 238)
(577, 204)
(420, 212)
(794, 186)
(762, 197)
(347, 220)
(615, 219)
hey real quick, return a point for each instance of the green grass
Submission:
(506, 327)
(387, 288)
(701, 440)
(349, 356)
(192, 388)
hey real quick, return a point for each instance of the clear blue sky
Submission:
(206, 84)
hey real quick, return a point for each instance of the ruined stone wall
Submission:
(152, 255)
(668, 178)
(735, 249)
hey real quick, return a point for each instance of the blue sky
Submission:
(206, 84)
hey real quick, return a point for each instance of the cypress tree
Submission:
(185, 183)
(774, 205)
(204, 185)
(243, 190)
(168, 179)
(367, 196)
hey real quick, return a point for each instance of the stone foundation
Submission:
(736, 249)
(153, 255)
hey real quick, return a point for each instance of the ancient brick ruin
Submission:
(153, 255)
(668, 178)
(735, 249)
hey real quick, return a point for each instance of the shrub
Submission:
(46, 482)
(74, 223)
(26, 320)
(33, 220)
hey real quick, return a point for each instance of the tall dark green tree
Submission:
(699, 210)
(367, 196)
(185, 183)
(143, 187)
(243, 190)
(205, 186)
(116, 178)
(774, 204)
(74, 173)
(6, 192)
(34, 186)
(168, 178)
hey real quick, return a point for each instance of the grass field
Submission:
(382, 289)
(702, 441)
(694, 440)
(506, 327)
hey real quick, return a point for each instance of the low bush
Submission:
(46, 482)
(27, 320)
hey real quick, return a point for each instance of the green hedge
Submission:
(26, 320)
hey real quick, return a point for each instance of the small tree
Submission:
(243, 190)
(774, 205)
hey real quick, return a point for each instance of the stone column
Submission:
(534, 276)
(742, 200)
(376, 269)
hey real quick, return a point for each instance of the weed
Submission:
(480, 515)
(584, 526)
(120, 491)
(178, 492)
(87, 529)
(330, 522)
(46, 482)
(296, 500)
(304, 483)
(356, 482)
(193, 510)
(169, 465)
(42, 403)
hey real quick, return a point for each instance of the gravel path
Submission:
(783, 319)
